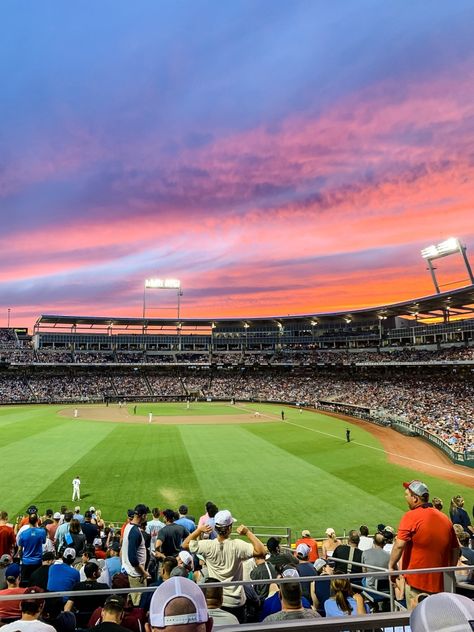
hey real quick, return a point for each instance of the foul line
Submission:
(363, 445)
(371, 447)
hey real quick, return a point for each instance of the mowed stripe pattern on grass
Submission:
(37, 462)
(301, 474)
(131, 465)
(266, 483)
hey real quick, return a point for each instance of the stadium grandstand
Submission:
(409, 364)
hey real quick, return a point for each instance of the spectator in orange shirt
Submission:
(311, 542)
(426, 539)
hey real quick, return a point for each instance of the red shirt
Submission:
(51, 529)
(430, 539)
(313, 545)
(11, 609)
(7, 539)
(100, 554)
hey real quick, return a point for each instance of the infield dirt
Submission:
(412, 452)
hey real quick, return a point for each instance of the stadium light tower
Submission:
(445, 248)
(162, 284)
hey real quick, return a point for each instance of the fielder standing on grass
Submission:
(76, 488)
(150, 417)
(348, 435)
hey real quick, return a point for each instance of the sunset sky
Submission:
(277, 156)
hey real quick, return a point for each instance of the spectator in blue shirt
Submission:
(31, 542)
(183, 519)
(62, 576)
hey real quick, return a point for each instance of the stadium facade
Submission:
(409, 365)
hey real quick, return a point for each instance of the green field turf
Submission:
(300, 473)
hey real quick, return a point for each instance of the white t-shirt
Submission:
(76, 483)
(28, 626)
(365, 543)
(224, 562)
(153, 527)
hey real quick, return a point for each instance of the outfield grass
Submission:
(300, 474)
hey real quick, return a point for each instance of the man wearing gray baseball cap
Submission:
(426, 539)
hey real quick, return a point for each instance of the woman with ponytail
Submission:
(343, 602)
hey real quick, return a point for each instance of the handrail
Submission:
(245, 582)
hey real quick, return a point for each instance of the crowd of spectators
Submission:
(93, 357)
(71, 551)
(166, 385)
(441, 405)
(8, 339)
(21, 352)
(131, 384)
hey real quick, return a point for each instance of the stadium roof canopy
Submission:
(458, 303)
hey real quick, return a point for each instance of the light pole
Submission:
(8, 317)
(445, 248)
(162, 284)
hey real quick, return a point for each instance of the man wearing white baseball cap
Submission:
(444, 612)
(185, 565)
(305, 569)
(426, 539)
(178, 603)
(224, 557)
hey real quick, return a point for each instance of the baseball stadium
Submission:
(247, 412)
(237, 316)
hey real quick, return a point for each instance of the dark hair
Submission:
(212, 510)
(156, 512)
(213, 593)
(183, 509)
(291, 593)
(33, 519)
(273, 544)
(90, 569)
(75, 526)
(168, 564)
(47, 556)
(388, 535)
(88, 515)
(32, 606)
(224, 532)
(364, 530)
(169, 514)
(354, 536)
(49, 513)
(89, 550)
(115, 604)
